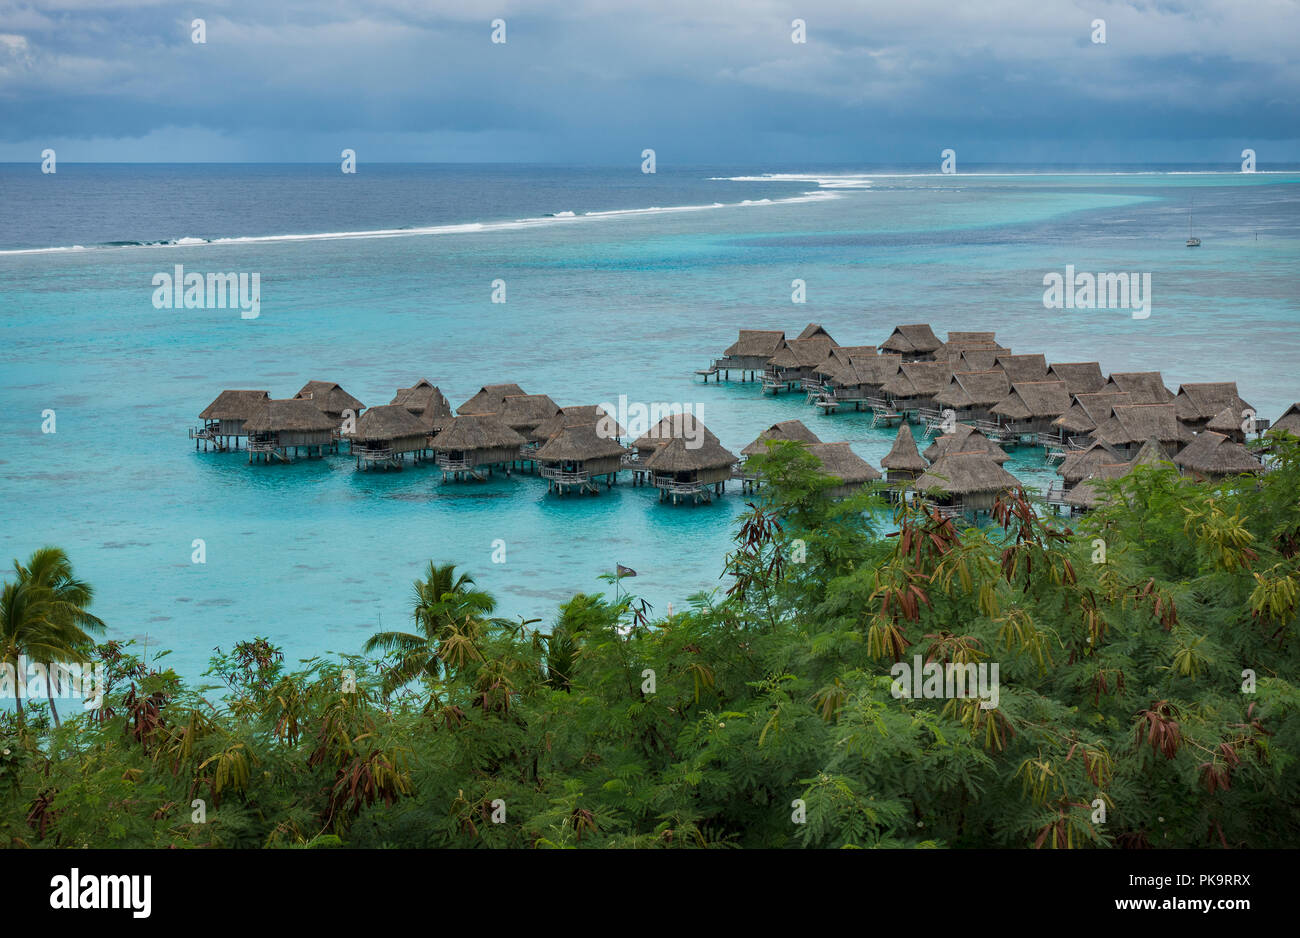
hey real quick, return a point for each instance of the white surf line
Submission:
(559, 218)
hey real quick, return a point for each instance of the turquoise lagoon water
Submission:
(317, 556)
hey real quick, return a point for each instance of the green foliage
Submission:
(1158, 687)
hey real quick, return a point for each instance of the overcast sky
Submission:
(700, 81)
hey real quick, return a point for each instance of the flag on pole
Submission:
(625, 571)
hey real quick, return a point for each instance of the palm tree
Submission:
(446, 609)
(43, 615)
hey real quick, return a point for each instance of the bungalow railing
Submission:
(994, 431)
(562, 476)
(262, 446)
(1055, 494)
(454, 463)
(375, 454)
(632, 459)
(202, 433)
(674, 487)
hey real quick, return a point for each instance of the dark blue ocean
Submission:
(617, 282)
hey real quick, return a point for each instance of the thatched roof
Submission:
(837, 459)
(785, 430)
(976, 339)
(677, 456)
(423, 399)
(1088, 410)
(329, 397)
(980, 389)
(235, 405)
(980, 359)
(918, 379)
(965, 439)
(1137, 423)
(1023, 367)
(1146, 387)
(293, 415)
(913, 339)
(582, 415)
(1289, 421)
(756, 343)
(1203, 401)
(489, 399)
(578, 444)
(1088, 494)
(523, 412)
(1227, 421)
(1079, 377)
(802, 353)
(1086, 462)
(964, 474)
(387, 422)
(475, 431)
(868, 371)
(1213, 453)
(815, 330)
(672, 427)
(841, 355)
(904, 454)
(1030, 400)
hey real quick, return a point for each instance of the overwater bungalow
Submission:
(679, 471)
(964, 483)
(1144, 387)
(979, 359)
(903, 463)
(1289, 422)
(581, 415)
(1212, 456)
(425, 401)
(791, 430)
(1197, 404)
(1031, 407)
(748, 354)
(1088, 494)
(577, 457)
(914, 386)
(839, 356)
(959, 342)
(793, 363)
(915, 342)
(675, 426)
(1230, 422)
(839, 460)
(815, 330)
(1130, 425)
(1086, 412)
(971, 340)
(283, 429)
(971, 395)
(1083, 463)
(331, 399)
(490, 399)
(471, 445)
(965, 439)
(859, 381)
(224, 419)
(1023, 367)
(1079, 377)
(385, 436)
(523, 413)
